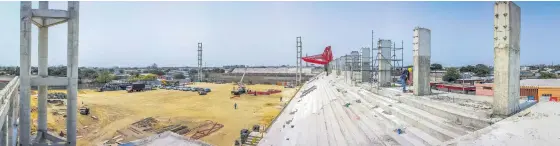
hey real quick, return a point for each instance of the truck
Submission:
(135, 87)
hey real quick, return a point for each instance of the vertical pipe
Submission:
(72, 71)
(43, 72)
(25, 64)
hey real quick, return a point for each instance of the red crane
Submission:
(322, 59)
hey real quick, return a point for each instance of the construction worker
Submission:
(235, 106)
(404, 78)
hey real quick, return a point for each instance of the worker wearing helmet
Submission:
(404, 78)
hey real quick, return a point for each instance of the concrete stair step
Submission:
(441, 122)
(412, 136)
(466, 120)
(434, 130)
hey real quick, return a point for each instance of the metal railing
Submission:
(9, 107)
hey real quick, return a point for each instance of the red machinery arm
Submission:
(322, 59)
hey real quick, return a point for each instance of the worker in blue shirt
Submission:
(404, 78)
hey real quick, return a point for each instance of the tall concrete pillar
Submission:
(507, 25)
(24, 73)
(366, 65)
(355, 59)
(43, 72)
(72, 72)
(384, 61)
(421, 66)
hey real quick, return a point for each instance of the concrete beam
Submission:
(49, 81)
(422, 57)
(50, 13)
(507, 25)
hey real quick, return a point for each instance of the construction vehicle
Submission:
(241, 87)
(323, 59)
(84, 111)
(137, 87)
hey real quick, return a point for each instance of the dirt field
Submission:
(117, 109)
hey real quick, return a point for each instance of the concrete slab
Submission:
(537, 125)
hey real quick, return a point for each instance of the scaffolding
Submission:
(396, 65)
(298, 61)
(199, 62)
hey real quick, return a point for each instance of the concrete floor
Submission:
(321, 117)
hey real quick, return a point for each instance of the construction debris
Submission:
(206, 129)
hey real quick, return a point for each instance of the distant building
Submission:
(529, 87)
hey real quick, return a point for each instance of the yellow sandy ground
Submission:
(117, 109)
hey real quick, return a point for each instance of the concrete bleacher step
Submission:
(411, 135)
(434, 130)
(462, 118)
(430, 118)
(441, 122)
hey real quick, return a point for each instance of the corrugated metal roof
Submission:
(540, 82)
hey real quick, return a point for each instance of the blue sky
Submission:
(264, 33)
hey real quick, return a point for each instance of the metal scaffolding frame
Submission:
(298, 61)
(199, 62)
(396, 61)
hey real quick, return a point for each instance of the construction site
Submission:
(118, 117)
(357, 99)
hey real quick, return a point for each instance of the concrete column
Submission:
(507, 25)
(72, 72)
(355, 64)
(384, 61)
(366, 65)
(421, 66)
(43, 72)
(24, 74)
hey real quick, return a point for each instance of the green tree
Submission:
(481, 70)
(547, 75)
(148, 77)
(179, 76)
(468, 68)
(436, 66)
(156, 72)
(59, 71)
(104, 77)
(86, 73)
(451, 74)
